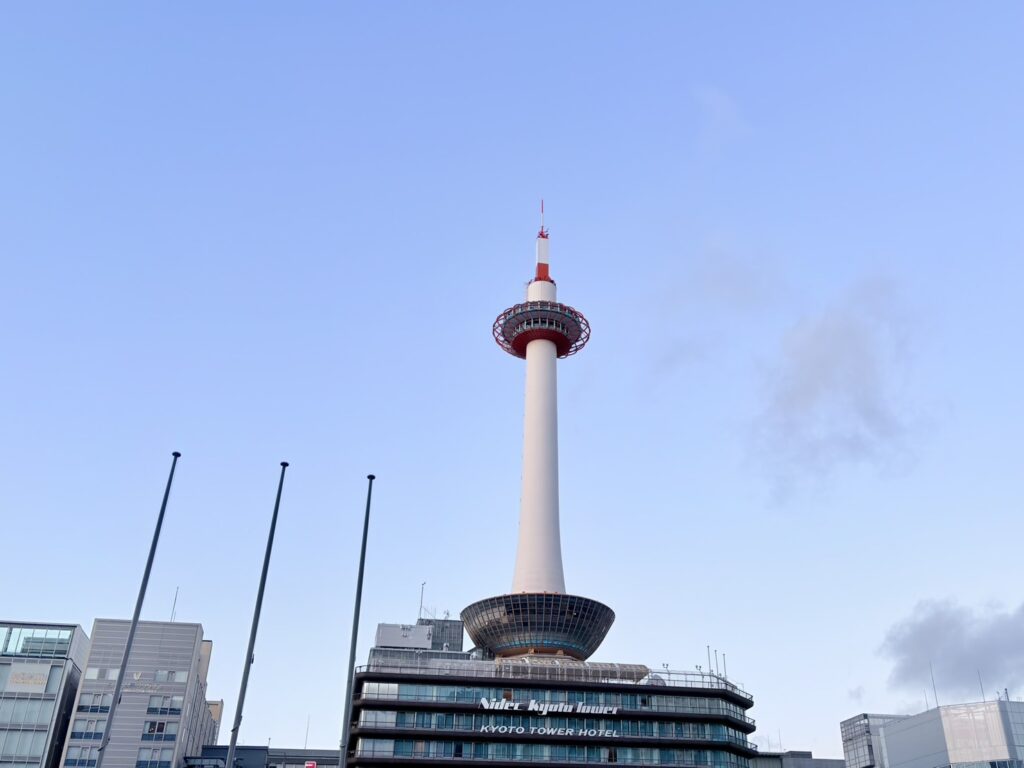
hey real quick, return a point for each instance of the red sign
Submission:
(311, 764)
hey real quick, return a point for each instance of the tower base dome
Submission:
(538, 622)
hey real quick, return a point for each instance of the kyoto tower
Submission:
(538, 617)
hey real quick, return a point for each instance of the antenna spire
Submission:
(543, 232)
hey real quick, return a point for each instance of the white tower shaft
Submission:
(539, 555)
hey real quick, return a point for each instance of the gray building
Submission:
(446, 633)
(264, 757)
(793, 759)
(427, 639)
(40, 669)
(163, 714)
(862, 739)
(987, 734)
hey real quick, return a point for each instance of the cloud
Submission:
(856, 694)
(832, 395)
(959, 643)
(719, 118)
(720, 294)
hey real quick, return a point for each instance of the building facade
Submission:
(987, 734)
(40, 669)
(792, 758)
(163, 714)
(862, 739)
(547, 712)
(264, 757)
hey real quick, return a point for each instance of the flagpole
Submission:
(346, 725)
(135, 616)
(230, 761)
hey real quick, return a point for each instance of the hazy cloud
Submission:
(720, 119)
(832, 395)
(959, 643)
(856, 694)
(719, 294)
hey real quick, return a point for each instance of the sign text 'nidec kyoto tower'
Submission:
(538, 617)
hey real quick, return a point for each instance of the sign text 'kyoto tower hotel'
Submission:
(526, 693)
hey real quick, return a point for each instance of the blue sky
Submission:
(255, 232)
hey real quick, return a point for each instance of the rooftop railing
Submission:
(561, 671)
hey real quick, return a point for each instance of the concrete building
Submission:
(163, 714)
(862, 739)
(988, 734)
(264, 757)
(527, 695)
(793, 759)
(40, 669)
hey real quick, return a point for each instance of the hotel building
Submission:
(163, 714)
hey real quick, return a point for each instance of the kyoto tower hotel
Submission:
(526, 694)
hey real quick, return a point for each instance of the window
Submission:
(84, 728)
(81, 756)
(53, 681)
(100, 673)
(171, 675)
(95, 702)
(165, 705)
(154, 758)
(159, 730)
(22, 743)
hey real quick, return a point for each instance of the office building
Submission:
(163, 714)
(264, 757)
(862, 739)
(40, 669)
(526, 694)
(986, 734)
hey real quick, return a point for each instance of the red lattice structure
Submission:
(519, 325)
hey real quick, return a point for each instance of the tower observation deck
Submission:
(538, 616)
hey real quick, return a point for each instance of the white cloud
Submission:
(833, 394)
(960, 644)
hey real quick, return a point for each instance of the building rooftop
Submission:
(557, 669)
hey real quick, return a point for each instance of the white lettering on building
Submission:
(544, 708)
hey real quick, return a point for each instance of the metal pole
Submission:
(346, 724)
(230, 761)
(135, 616)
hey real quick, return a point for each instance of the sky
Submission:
(256, 232)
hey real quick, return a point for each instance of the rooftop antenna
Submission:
(725, 668)
(543, 232)
(419, 615)
(716, 661)
(980, 685)
(174, 605)
(709, 659)
(305, 744)
(934, 689)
